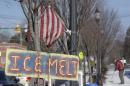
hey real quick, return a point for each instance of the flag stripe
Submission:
(39, 24)
(55, 28)
(63, 27)
(51, 34)
(42, 25)
(47, 24)
(58, 32)
(51, 26)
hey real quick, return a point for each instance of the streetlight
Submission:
(19, 31)
(98, 17)
(25, 28)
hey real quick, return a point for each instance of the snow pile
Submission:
(113, 79)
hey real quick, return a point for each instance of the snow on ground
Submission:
(113, 79)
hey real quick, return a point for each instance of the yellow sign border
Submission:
(36, 75)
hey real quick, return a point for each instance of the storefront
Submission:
(3, 48)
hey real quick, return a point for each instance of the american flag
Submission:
(51, 25)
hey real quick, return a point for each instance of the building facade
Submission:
(3, 47)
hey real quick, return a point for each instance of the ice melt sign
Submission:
(42, 65)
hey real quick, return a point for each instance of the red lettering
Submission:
(68, 69)
(61, 66)
(38, 64)
(75, 67)
(52, 62)
(14, 68)
(25, 66)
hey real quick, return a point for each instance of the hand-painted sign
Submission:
(42, 65)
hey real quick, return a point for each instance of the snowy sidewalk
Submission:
(113, 79)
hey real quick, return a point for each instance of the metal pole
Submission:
(73, 25)
(85, 47)
(99, 56)
(87, 56)
(21, 38)
(98, 62)
(99, 76)
(84, 69)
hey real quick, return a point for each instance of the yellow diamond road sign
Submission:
(81, 55)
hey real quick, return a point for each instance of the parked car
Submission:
(28, 81)
(8, 80)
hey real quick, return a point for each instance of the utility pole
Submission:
(73, 27)
(84, 65)
(98, 17)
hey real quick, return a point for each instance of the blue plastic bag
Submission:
(91, 84)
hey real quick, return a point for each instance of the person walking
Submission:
(119, 65)
(124, 61)
(92, 64)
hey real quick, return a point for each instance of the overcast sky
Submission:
(11, 13)
(123, 9)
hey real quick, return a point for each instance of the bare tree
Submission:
(85, 9)
(110, 27)
(105, 33)
(31, 11)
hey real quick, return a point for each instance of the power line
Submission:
(6, 2)
(124, 16)
(6, 28)
(10, 17)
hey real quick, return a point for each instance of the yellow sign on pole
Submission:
(0, 53)
(18, 29)
(81, 55)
